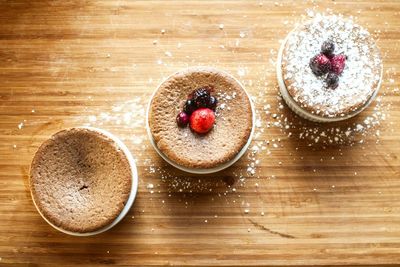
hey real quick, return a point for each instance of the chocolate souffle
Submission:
(200, 118)
(80, 180)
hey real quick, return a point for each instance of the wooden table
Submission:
(317, 195)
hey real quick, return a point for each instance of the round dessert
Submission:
(83, 180)
(329, 69)
(200, 120)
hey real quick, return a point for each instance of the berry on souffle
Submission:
(201, 97)
(338, 63)
(202, 120)
(189, 106)
(182, 119)
(327, 48)
(212, 103)
(332, 80)
(320, 64)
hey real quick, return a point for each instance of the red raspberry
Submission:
(338, 63)
(202, 120)
(320, 64)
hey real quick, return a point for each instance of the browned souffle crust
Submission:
(232, 127)
(80, 180)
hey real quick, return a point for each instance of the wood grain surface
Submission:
(317, 194)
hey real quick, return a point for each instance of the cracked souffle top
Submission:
(200, 118)
(80, 180)
(331, 66)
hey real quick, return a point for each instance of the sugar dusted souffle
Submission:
(329, 69)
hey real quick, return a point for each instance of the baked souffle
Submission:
(330, 68)
(200, 118)
(80, 180)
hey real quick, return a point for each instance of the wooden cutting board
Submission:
(305, 194)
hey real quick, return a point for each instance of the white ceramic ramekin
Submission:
(304, 113)
(202, 170)
(132, 194)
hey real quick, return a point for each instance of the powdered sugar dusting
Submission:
(130, 114)
(359, 79)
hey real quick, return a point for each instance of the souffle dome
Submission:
(80, 180)
(329, 69)
(200, 118)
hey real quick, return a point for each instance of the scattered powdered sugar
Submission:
(20, 125)
(223, 102)
(150, 186)
(241, 71)
(129, 115)
(347, 132)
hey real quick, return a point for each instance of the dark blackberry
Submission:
(201, 97)
(327, 48)
(189, 106)
(212, 103)
(338, 63)
(332, 80)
